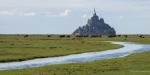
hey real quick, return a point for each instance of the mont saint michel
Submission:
(95, 26)
(70, 37)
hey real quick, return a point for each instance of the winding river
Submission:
(129, 48)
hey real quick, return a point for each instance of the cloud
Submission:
(29, 14)
(6, 13)
(105, 5)
(66, 12)
(33, 7)
(16, 13)
(11, 12)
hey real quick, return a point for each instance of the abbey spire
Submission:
(95, 16)
(94, 11)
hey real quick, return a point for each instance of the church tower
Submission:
(94, 11)
(95, 17)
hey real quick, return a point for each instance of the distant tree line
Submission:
(92, 36)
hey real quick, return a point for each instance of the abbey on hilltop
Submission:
(95, 26)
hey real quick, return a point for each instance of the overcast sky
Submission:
(64, 16)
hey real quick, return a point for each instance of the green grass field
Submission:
(18, 48)
(136, 64)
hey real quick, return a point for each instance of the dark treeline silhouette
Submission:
(25, 36)
(68, 36)
(96, 36)
(141, 36)
(126, 36)
(118, 35)
(89, 36)
(82, 36)
(93, 36)
(61, 36)
(111, 36)
(48, 35)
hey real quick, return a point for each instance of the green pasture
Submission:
(14, 48)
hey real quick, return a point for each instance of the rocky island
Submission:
(95, 26)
